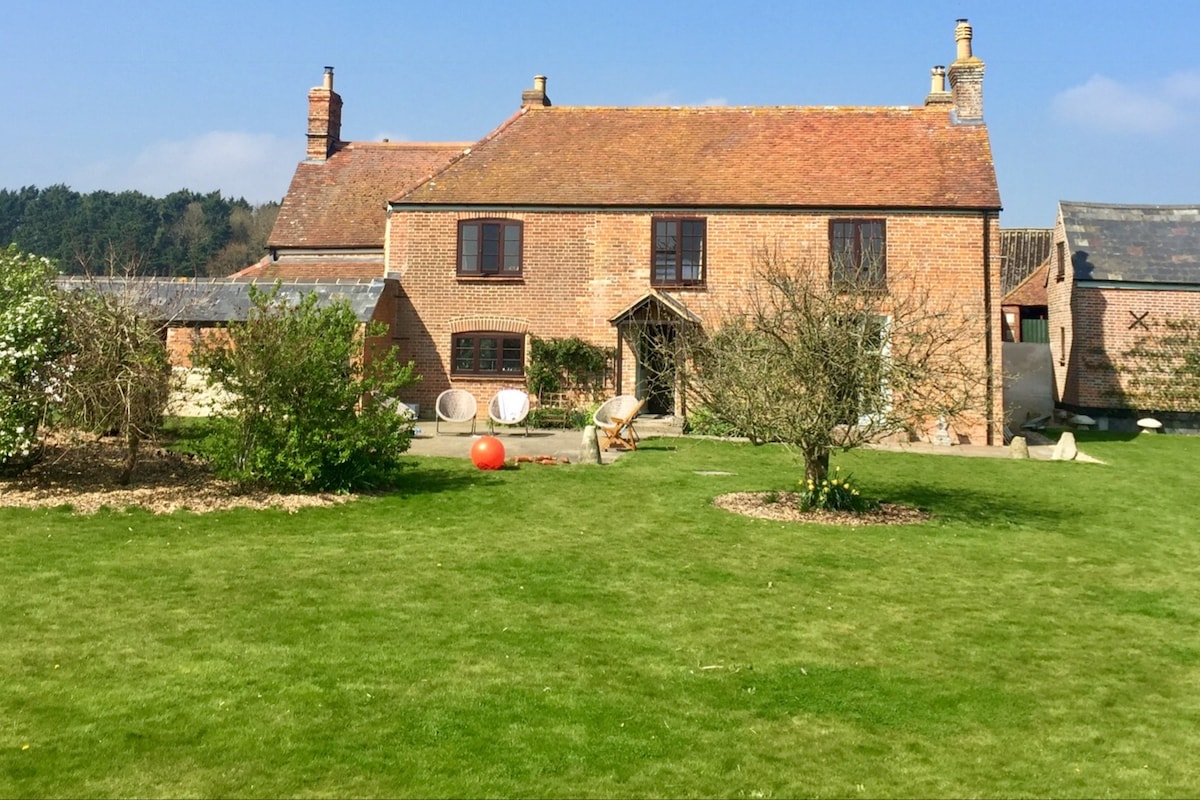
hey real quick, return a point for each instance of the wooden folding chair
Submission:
(614, 419)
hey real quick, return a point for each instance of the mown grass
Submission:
(604, 631)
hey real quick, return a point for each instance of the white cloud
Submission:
(257, 167)
(1184, 86)
(1108, 105)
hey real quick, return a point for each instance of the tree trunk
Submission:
(132, 440)
(816, 467)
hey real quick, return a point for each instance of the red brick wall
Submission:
(1059, 285)
(581, 268)
(183, 340)
(1103, 333)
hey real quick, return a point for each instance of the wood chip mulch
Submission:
(783, 506)
(82, 474)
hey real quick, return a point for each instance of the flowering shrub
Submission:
(314, 399)
(833, 494)
(31, 341)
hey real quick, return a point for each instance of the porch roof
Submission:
(653, 301)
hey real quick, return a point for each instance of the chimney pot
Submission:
(324, 119)
(937, 87)
(962, 35)
(966, 79)
(537, 95)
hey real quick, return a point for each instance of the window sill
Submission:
(493, 377)
(699, 287)
(481, 279)
(845, 287)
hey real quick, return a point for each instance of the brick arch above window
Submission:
(489, 323)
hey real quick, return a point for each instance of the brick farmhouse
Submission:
(585, 221)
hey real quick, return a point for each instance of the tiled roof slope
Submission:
(341, 202)
(313, 268)
(1141, 244)
(1022, 250)
(1029, 292)
(724, 156)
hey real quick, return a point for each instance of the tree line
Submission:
(185, 234)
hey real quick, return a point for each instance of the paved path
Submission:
(556, 443)
(565, 444)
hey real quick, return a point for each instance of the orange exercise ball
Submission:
(488, 453)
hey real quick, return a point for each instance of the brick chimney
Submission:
(937, 87)
(324, 119)
(537, 95)
(966, 79)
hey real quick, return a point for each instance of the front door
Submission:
(656, 369)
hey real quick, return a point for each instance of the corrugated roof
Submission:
(723, 156)
(341, 202)
(1022, 250)
(1133, 243)
(224, 299)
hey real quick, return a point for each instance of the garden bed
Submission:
(83, 473)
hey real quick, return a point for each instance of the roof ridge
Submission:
(731, 108)
(1088, 204)
(358, 144)
(500, 129)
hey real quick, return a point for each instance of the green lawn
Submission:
(604, 631)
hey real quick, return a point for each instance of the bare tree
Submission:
(251, 229)
(821, 364)
(119, 375)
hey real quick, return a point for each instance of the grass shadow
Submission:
(422, 475)
(975, 507)
(1083, 437)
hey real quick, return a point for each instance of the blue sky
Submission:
(1095, 101)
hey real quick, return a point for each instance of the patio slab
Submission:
(541, 442)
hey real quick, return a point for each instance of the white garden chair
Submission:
(614, 418)
(508, 407)
(455, 405)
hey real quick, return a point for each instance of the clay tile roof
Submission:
(1031, 291)
(341, 202)
(313, 268)
(723, 156)
(1138, 243)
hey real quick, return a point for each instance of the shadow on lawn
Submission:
(975, 507)
(419, 477)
